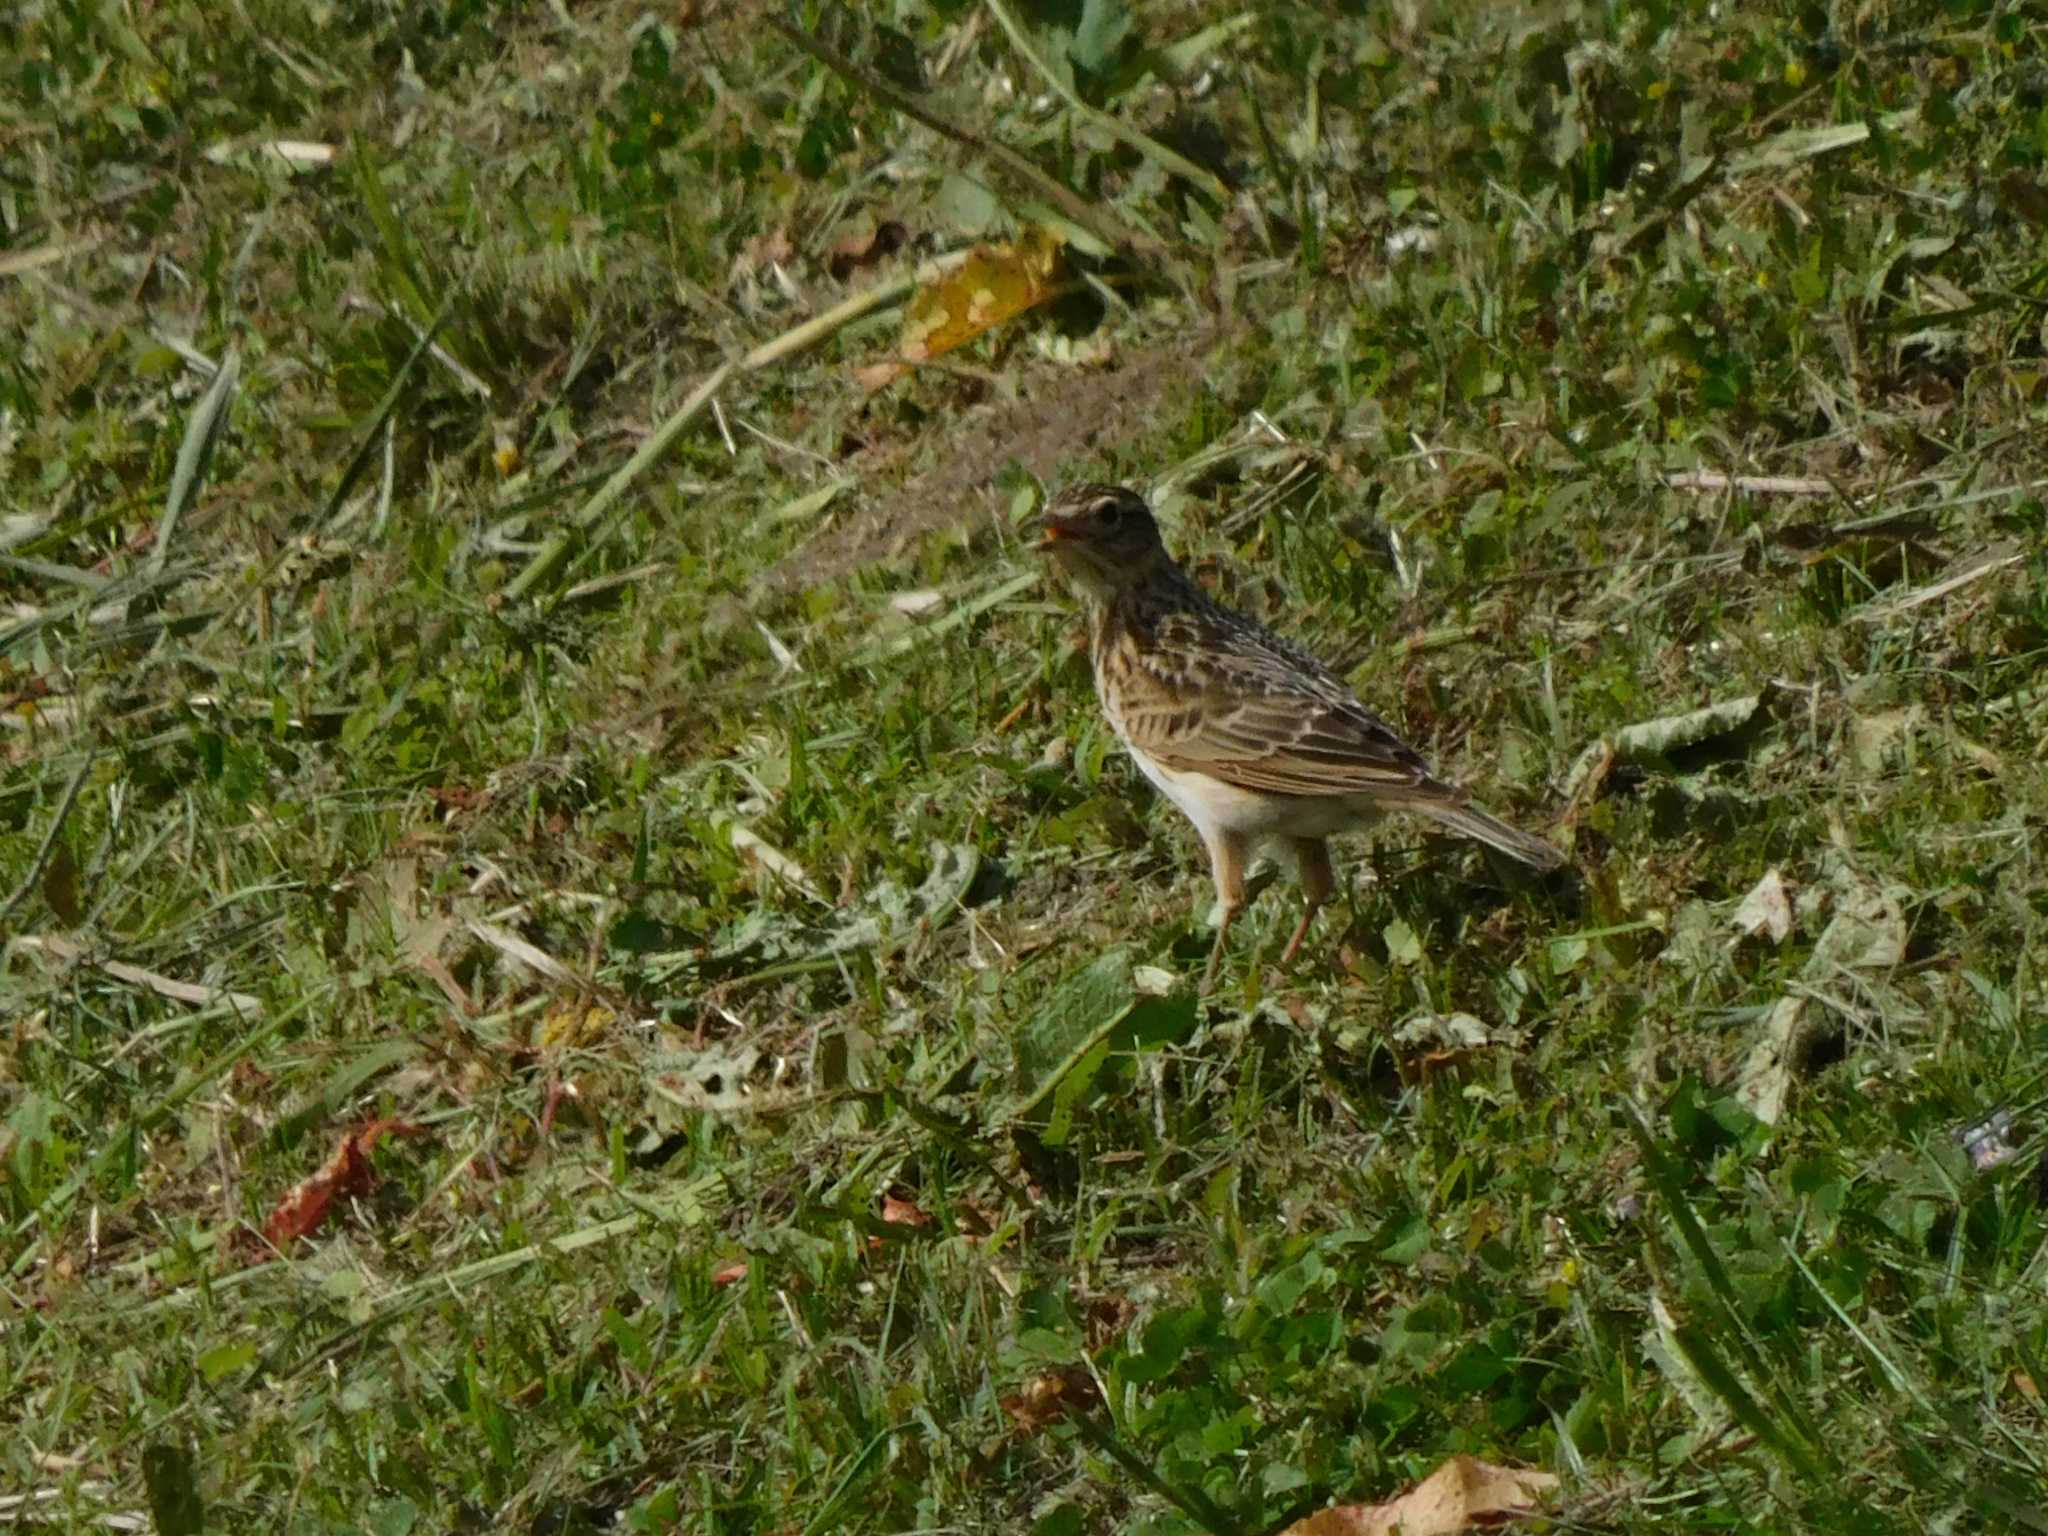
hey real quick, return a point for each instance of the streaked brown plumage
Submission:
(1249, 735)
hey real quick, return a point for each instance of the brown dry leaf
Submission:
(1051, 1397)
(1106, 1318)
(774, 246)
(1462, 1493)
(994, 284)
(874, 376)
(456, 799)
(864, 250)
(347, 1173)
(899, 1212)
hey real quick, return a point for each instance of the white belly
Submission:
(1213, 805)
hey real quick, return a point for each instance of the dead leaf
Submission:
(457, 799)
(1049, 1398)
(729, 1274)
(899, 1212)
(915, 605)
(513, 947)
(575, 1023)
(1767, 909)
(996, 283)
(1866, 934)
(864, 250)
(1105, 1318)
(749, 844)
(1449, 1033)
(772, 247)
(1878, 740)
(1868, 931)
(1725, 725)
(347, 1173)
(249, 1077)
(874, 376)
(1462, 1493)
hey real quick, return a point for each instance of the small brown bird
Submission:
(1252, 737)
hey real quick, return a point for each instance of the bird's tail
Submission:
(1470, 821)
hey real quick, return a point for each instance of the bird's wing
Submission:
(1215, 694)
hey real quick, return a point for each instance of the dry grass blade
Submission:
(1987, 564)
(658, 442)
(140, 976)
(16, 263)
(534, 958)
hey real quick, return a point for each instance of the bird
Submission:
(1253, 738)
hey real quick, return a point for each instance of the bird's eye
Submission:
(1109, 513)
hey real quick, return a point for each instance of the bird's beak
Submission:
(1050, 531)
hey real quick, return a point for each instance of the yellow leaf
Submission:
(572, 1023)
(996, 283)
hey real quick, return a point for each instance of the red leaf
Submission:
(347, 1173)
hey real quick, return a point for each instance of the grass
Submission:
(781, 981)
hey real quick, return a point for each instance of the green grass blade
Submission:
(202, 434)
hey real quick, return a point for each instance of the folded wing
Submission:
(1261, 714)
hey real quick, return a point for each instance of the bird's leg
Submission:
(1312, 858)
(1228, 852)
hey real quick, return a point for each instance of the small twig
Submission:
(957, 47)
(1098, 221)
(1167, 159)
(1749, 485)
(49, 843)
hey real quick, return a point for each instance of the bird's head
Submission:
(1103, 537)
